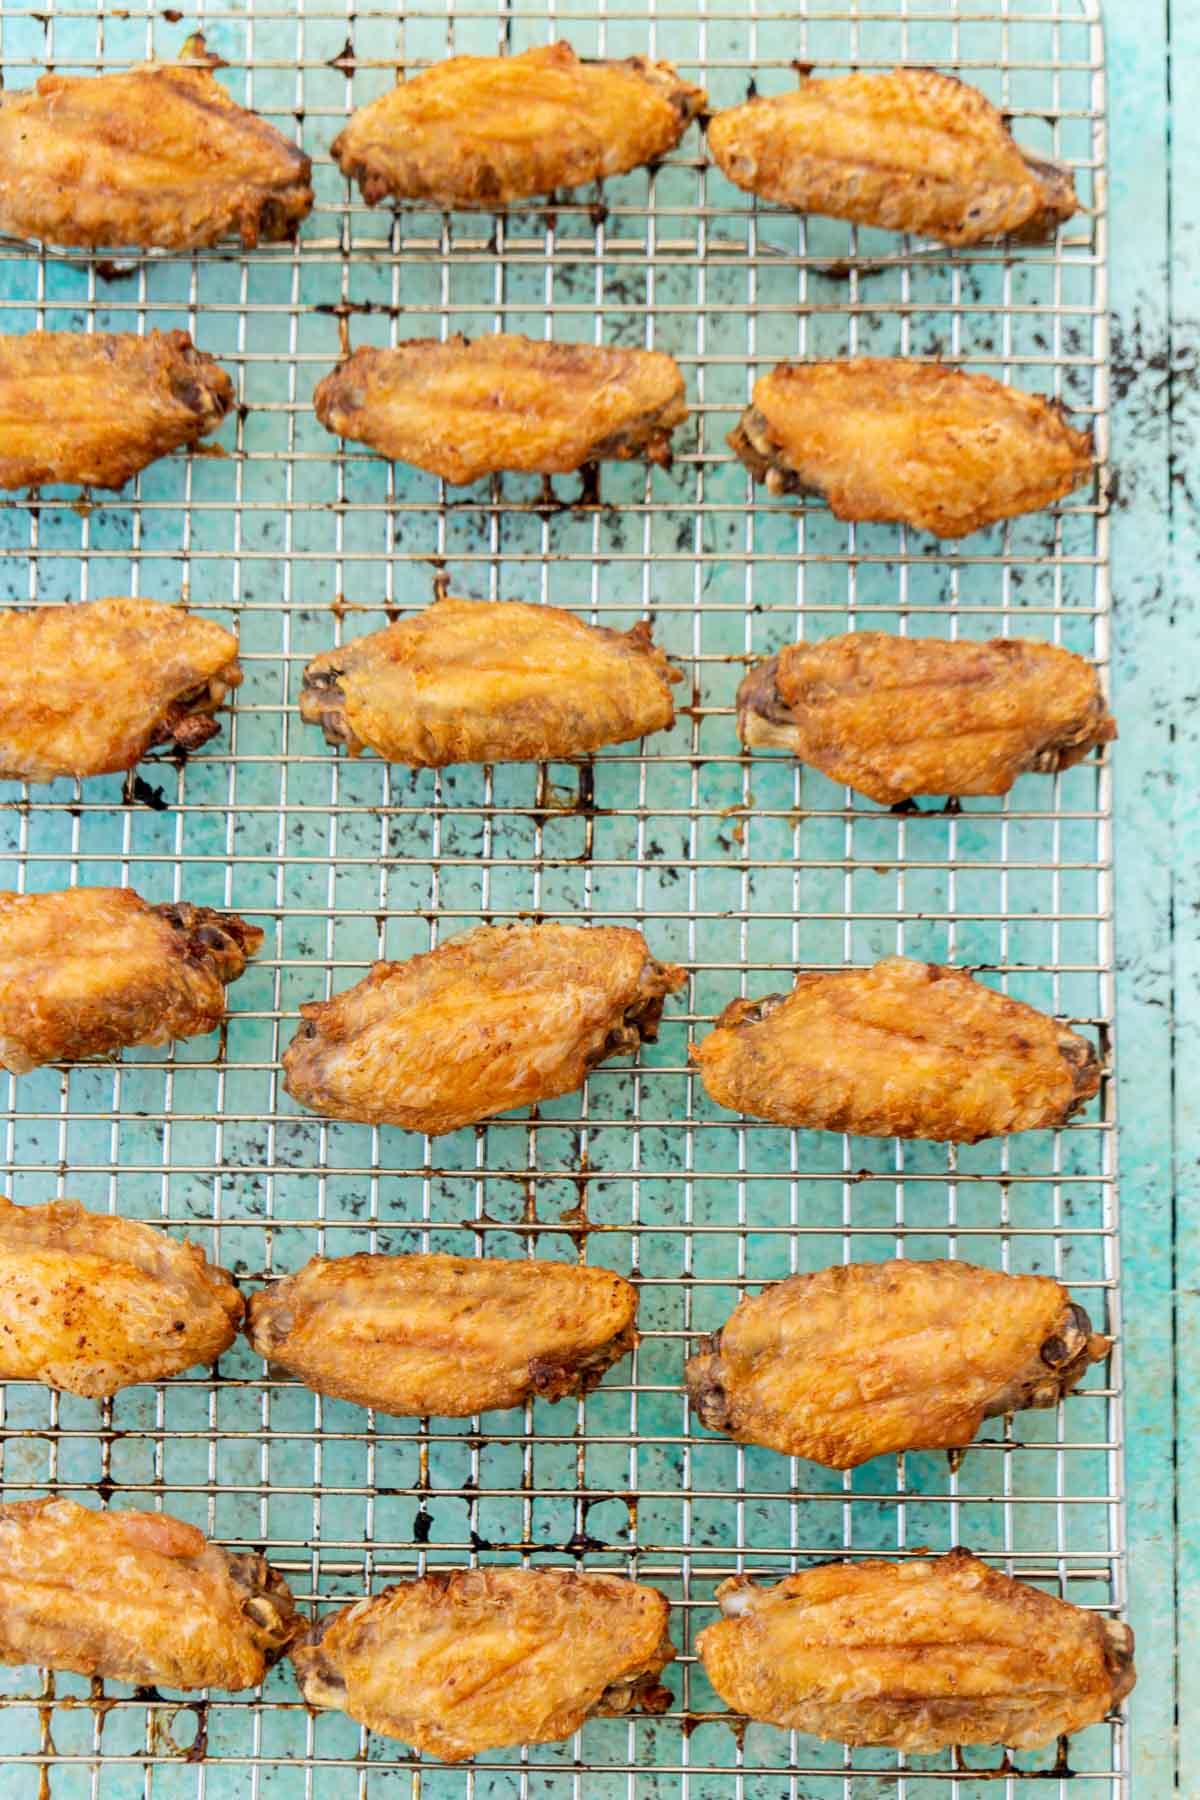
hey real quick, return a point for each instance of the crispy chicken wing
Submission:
(910, 151)
(86, 971)
(137, 1597)
(894, 716)
(464, 410)
(883, 438)
(915, 1655)
(476, 1659)
(481, 131)
(862, 1361)
(492, 1019)
(905, 1049)
(480, 681)
(93, 409)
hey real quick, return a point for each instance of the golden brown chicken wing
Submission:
(912, 150)
(446, 1335)
(88, 689)
(137, 1597)
(480, 681)
(874, 1358)
(916, 1655)
(464, 410)
(893, 716)
(87, 971)
(493, 1019)
(906, 1049)
(94, 409)
(476, 1659)
(481, 131)
(882, 438)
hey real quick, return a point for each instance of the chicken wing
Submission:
(87, 971)
(464, 410)
(493, 1019)
(912, 150)
(481, 131)
(137, 1597)
(93, 409)
(882, 438)
(906, 1049)
(894, 716)
(916, 1655)
(481, 681)
(874, 1358)
(88, 689)
(90, 1303)
(447, 1335)
(466, 1660)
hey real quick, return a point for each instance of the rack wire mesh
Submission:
(741, 869)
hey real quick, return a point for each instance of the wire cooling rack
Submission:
(740, 869)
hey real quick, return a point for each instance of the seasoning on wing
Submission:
(137, 1597)
(480, 681)
(466, 1660)
(905, 1049)
(480, 131)
(464, 410)
(912, 150)
(893, 717)
(91, 1303)
(875, 1358)
(883, 438)
(447, 1335)
(915, 1655)
(492, 1019)
(86, 971)
(93, 409)
(88, 689)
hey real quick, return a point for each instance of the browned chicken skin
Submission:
(912, 150)
(905, 1049)
(893, 717)
(86, 971)
(464, 410)
(916, 1655)
(481, 131)
(479, 681)
(137, 1597)
(477, 1659)
(887, 439)
(88, 689)
(492, 1019)
(875, 1358)
(94, 409)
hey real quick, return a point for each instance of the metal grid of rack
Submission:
(742, 870)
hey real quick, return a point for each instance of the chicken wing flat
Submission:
(910, 151)
(155, 158)
(915, 1655)
(481, 131)
(477, 1659)
(94, 409)
(893, 717)
(89, 689)
(91, 1304)
(905, 1049)
(137, 1597)
(495, 1018)
(885, 439)
(86, 971)
(876, 1358)
(482, 681)
(464, 410)
(447, 1335)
